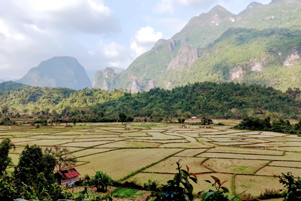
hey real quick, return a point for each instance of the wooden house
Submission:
(67, 177)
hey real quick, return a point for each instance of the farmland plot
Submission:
(248, 159)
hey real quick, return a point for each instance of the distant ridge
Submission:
(10, 85)
(62, 71)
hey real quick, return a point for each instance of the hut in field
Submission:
(194, 118)
(67, 177)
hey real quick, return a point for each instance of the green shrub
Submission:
(124, 193)
(220, 193)
(292, 186)
(5, 121)
(101, 181)
(270, 193)
(179, 188)
(206, 121)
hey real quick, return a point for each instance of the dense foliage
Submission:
(10, 85)
(219, 192)
(224, 100)
(33, 177)
(180, 187)
(101, 181)
(5, 160)
(282, 126)
(292, 186)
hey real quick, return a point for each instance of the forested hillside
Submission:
(225, 100)
(7, 86)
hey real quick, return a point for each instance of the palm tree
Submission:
(101, 181)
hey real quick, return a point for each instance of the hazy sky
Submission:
(99, 33)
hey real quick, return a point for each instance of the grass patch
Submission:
(124, 193)
(240, 169)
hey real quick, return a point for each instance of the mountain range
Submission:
(260, 45)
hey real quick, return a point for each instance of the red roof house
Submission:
(67, 177)
(194, 118)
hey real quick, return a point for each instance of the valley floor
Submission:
(248, 159)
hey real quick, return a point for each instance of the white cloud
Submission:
(7, 33)
(113, 50)
(45, 5)
(168, 6)
(100, 7)
(193, 2)
(35, 30)
(143, 40)
(165, 6)
(89, 16)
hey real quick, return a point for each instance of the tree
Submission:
(74, 120)
(122, 117)
(33, 178)
(5, 160)
(101, 181)
(32, 163)
(63, 156)
(206, 121)
(4, 109)
(7, 190)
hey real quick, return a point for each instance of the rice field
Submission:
(149, 151)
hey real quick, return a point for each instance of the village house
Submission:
(194, 118)
(67, 177)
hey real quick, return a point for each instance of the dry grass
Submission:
(287, 157)
(132, 144)
(169, 165)
(269, 170)
(245, 151)
(142, 178)
(91, 143)
(286, 164)
(43, 142)
(255, 185)
(87, 152)
(121, 163)
(235, 166)
(191, 152)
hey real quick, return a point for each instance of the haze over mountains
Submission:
(261, 45)
(58, 72)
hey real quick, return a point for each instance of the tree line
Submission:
(213, 100)
(281, 126)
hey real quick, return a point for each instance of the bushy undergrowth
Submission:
(282, 126)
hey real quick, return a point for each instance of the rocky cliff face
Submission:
(58, 72)
(186, 57)
(259, 45)
(106, 79)
(292, 59)
(151, 85)
(135, 87)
